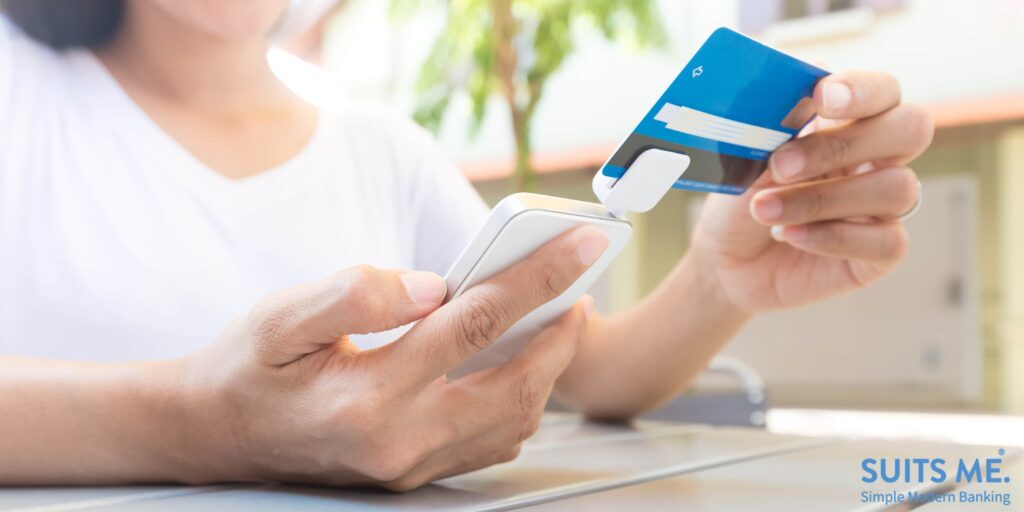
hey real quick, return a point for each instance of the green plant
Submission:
(512, 48)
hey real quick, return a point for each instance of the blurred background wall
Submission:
(946, 331)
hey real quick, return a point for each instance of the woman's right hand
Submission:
(284, 396)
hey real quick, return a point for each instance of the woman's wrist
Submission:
(624, 366)
(699, 276)
(179, 425)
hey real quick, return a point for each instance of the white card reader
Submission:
(646, 181)
(521, 223)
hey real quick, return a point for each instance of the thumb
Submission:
(292, 323)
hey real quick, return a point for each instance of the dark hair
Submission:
(63, 24)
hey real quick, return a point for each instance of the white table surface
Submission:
(572, 465)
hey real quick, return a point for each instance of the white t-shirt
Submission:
(118, 244)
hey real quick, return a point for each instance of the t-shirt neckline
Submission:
(189, 168)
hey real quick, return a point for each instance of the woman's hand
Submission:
(832, 198)
(284, 396)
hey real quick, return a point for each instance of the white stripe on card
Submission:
(694, 122)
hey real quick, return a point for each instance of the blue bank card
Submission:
(731, 106)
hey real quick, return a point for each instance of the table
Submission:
(576, 465)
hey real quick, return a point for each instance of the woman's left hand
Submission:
(825, 217)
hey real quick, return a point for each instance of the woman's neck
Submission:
(181, 64)
(216, 97)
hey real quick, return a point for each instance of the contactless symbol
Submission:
(698, 71)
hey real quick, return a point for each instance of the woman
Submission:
(156, 180)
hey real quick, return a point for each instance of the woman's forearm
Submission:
(89, 423)
(635, 360)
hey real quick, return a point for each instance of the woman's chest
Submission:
(138, 265)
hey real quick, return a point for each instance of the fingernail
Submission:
(588, 305)
(424, 287)
(768, 207)
(793, 234)
(787, 163)
(591, 247)
(835, 96)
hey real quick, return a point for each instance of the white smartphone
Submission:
(517, 226)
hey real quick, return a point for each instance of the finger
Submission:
(488, 429)
(503, 407)
(879, 242)
(301, 320)
(884, 193)
(491, 458)
(525, 383)
(515, 393)
(468, 324)
(856, 94)
(895, 137)
(519, 390)
(494, 447)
